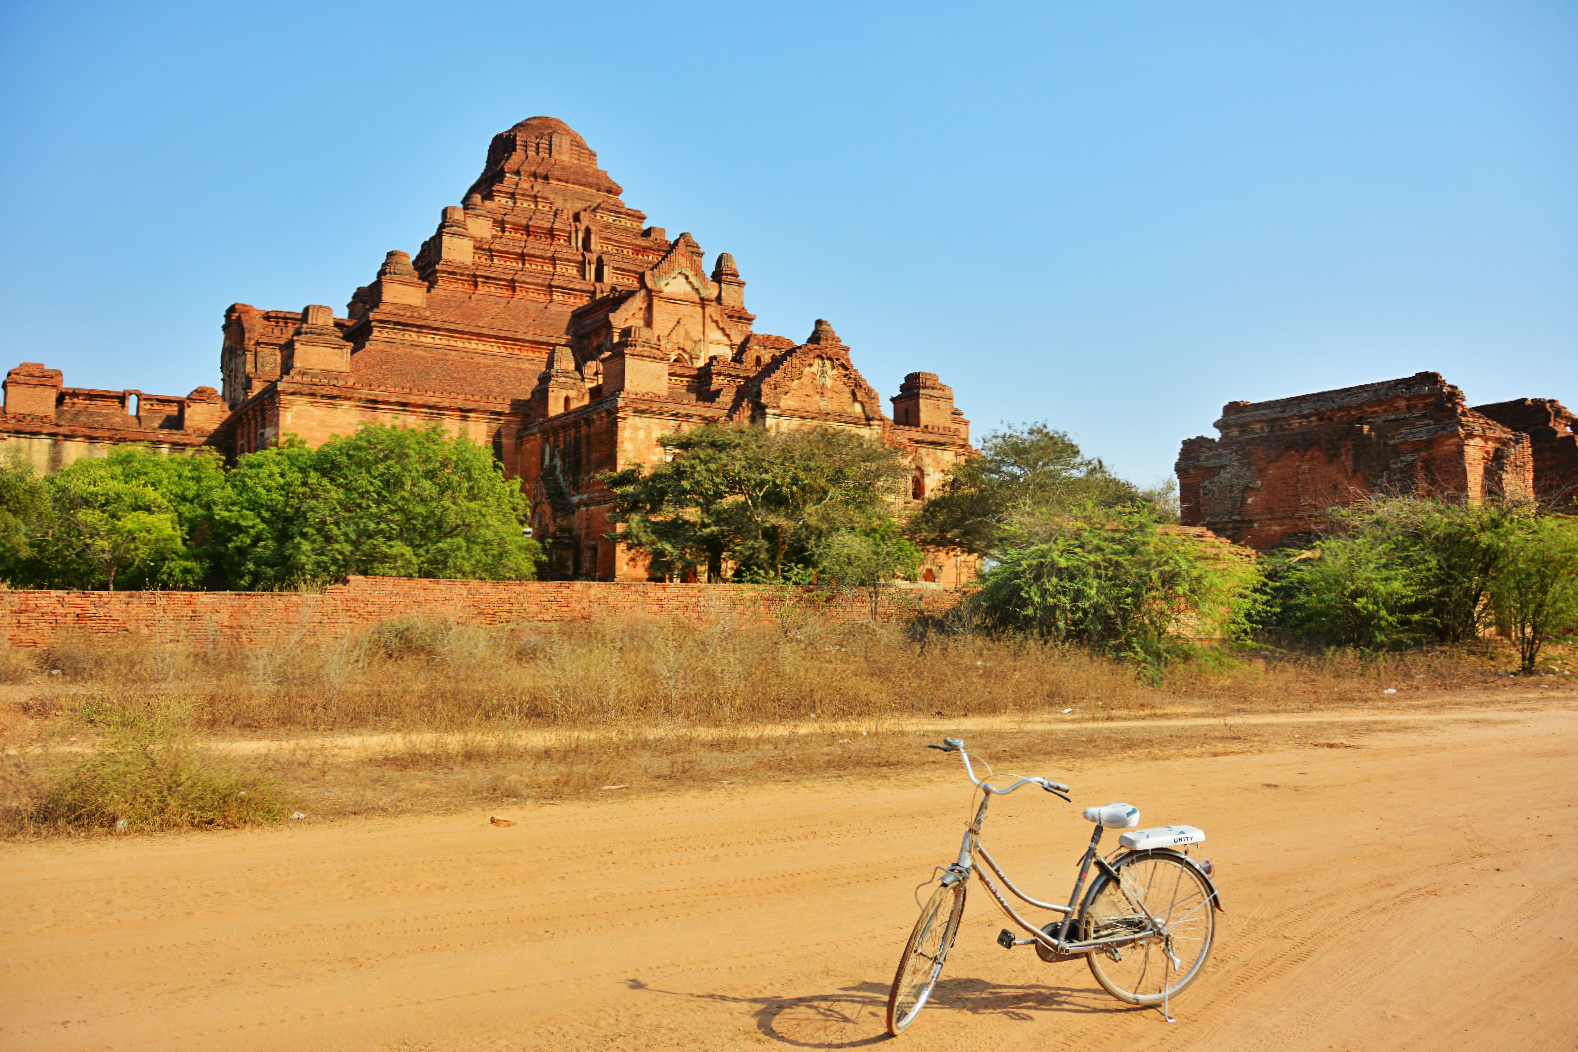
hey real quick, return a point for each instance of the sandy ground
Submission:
(1418, 891)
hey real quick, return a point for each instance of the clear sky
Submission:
(1110, 217)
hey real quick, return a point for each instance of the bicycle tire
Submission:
(1172, 891)
(924, 955)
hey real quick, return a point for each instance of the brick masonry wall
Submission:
(203, 619)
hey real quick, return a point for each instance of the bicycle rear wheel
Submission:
(924, 955)
(1157, 965)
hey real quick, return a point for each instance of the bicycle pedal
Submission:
(1005, 939)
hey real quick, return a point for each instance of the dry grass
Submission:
(15, 665)
(436, 675)
(144, 774)
(434, 715)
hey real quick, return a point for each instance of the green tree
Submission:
(188, 484)
(761, 500)
(101, 525)
(1534, 591)
(260, 527)
(127, 519)
(1111, 581)
(24, 506)
(1021, 487)
(868, 558)
(386, 501)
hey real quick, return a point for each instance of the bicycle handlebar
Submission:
(957, 745)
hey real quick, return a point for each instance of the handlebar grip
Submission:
(940, 748)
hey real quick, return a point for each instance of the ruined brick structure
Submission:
(1279, 466)
(1553, 436)
(546, 320)
(53, 425)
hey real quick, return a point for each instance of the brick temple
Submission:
(544, 319)
(1280, 466)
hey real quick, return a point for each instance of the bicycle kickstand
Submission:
(1167, 982)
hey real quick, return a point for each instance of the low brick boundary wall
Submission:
(39, 618)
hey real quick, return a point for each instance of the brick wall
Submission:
(38, 618)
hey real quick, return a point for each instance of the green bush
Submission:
(1361, 591)
(1399, 572)
(1110, 581)
(147, 776)
(24, 503)
(387, 501)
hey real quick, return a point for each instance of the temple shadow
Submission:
(856, 1016)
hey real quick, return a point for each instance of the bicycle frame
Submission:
(971, 848)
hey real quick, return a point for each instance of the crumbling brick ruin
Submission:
(1280, 466)
(1553, 436)
(545, 319)
(53, 425)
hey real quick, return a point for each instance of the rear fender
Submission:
(1109, 871)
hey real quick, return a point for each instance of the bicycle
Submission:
(1148, 894)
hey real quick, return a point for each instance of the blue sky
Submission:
(1113, 218)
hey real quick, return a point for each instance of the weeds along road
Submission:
(1417, 892)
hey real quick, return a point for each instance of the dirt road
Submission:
(1419, 891)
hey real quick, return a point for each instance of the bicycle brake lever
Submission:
(941, 748)
(1055, 788)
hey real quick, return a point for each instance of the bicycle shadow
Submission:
(856, 1016)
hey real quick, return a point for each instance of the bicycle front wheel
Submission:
(1156, 965)
(924, 955)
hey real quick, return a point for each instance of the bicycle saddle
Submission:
(1114, 816)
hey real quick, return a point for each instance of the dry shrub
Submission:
(441, 675)
(16, 666)
(144, 775)
(720, 673)
(1331, 678)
